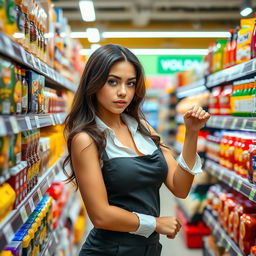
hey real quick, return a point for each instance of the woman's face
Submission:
(117, 93)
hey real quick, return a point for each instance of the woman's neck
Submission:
(113, 121)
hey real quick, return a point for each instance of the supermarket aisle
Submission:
(174, 247)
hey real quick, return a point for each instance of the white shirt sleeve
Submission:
(147, 225)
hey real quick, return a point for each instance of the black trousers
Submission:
(110, 243)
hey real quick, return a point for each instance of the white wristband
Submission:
(147, 225)
(197, 168)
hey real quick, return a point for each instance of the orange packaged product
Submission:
(247, 232)
(4, 155)
(244, 206)
(253, 251)
(225, 108)
(243, 52)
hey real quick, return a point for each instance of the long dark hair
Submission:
(84, 107)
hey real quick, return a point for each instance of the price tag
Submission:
(39, 194)
(48, 182)
(23, 55)
(37, 122)
(28, 122)
(23, 214)
(223, 123)
(31, 204)
(233, 125)
(38, 63)
(3, 130)
(52, 119)
(14, 124)
(252, 194)
(231, 181)
(33, 60)
(239, 184)
(221, 174)
(8, 232)
(55, 237)
(58, 118)
(254, 125)
(221, 238)
(244, 123)
(8, 46)
(228, 246)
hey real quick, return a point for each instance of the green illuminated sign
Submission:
(172, 64)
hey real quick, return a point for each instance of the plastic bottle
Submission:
(19, 22)
(252, 163)
(24, 8)
(253, 42)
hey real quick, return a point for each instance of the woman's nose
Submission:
(122, 90)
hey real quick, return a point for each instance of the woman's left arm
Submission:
(179, 180)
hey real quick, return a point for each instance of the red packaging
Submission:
(247, 232)
(225, 108)
(244, 206)
(214, 101)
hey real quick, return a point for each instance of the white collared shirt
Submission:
(114, 148)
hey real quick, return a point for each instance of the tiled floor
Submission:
(175, 247)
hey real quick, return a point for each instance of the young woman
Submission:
(118, 161)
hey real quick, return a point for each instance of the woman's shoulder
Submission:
(81, 141)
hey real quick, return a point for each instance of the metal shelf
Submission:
(232, 123)
(230, 74)
(12, 50)
(191, 89)
(221, 235)
(231, 179)
(13, 222)
(19, 123)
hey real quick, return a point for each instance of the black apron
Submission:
(133, 184)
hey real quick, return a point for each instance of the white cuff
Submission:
(197, 168)
(147, 225)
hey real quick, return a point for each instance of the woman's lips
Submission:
(120, 103)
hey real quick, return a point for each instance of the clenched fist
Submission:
(168, 226)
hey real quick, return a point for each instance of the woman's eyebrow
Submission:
(117, 77)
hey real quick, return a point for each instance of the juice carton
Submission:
(4, 154)
(244, 39)
(34, 85)
(7, 87)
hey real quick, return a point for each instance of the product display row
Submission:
(17, 53)
(13, 221)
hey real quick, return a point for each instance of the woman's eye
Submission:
(112, 82)
(132, 84)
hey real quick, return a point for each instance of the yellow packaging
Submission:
(2, 15)
(7, 199)
(10, 18)
(243, 52)
(4, 154)
(6, 253)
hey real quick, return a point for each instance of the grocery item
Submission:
(247, 232)
(244, 39)
(252, 162)
(4, 155)
(7, 85)
(7, 199)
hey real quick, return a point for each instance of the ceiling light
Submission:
(87, 10)
(78, 35)
(165, 34)
(159, 51)
(246, 8)
(157, 34)
(93, 35)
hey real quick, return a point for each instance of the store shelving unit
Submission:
(18, 217)
(191, 89)
(19, 123)
(231, 179)
(224, 240)
(12, 50)
(54, 237)
(232, 123)
(230, 74)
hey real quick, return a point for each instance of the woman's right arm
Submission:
(85, 162)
